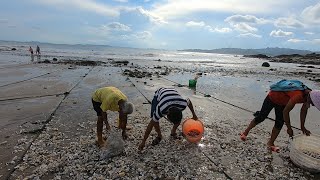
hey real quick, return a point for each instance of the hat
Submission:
(315, 98)
(128, 107)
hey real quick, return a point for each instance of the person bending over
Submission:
(283, 102)
(166, 101)
(112, 99)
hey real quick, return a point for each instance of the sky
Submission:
(165, 24)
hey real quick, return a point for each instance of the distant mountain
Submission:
(238, 51)
(51, 44)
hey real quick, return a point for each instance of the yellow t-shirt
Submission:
(109, 98)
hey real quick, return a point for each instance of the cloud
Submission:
(280, 33)
(137, 36)
(116, 26)
(85, 5)
(4, 21)
(316, 41)
(121, 1)
(245, 28)
(173, 9)
(309, 33)
(289, 22)
(311, 14)
(222, 30)
(250, 35)
(152, 17)
(219, 30)
(235, 19)
(297, 40)
(195, 24)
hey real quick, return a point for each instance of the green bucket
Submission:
(192, 83)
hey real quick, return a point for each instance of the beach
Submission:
(48, 125)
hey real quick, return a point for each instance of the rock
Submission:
(46, 61)
(257, 56)
(309, 70)
(13, 49)
(55, 59)
(265, 64)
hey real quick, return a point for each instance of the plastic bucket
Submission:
(193, 130)
(192, 83)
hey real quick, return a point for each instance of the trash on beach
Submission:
(114, 145)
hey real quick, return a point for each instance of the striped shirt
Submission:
(167, 98)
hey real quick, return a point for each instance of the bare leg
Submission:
(250, 126)
(274, 134)
(107, 124)
(99, 131)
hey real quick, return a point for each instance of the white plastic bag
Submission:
(114, 145)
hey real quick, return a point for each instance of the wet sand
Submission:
(48, 126)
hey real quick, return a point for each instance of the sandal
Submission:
(274, 149)
(156, 141)
(243, 137)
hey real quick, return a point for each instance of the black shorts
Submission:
(267, 106)
(96, 107)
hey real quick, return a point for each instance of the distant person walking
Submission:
(283, 96)
(38, 50)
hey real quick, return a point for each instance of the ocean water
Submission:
(144, 56)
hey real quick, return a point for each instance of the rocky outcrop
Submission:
(262, 56)
(312, 58)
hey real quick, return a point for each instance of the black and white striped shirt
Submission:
(167, 98)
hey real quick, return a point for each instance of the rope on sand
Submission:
(227, 102)
(45, 123)
(25, 79)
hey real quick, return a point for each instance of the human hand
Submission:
(305, 131)
(290, 132)
(124, 135)
(141, 146)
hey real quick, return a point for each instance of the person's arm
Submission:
(303, 115)
(123, 123)
(146, 134)
(192, 110)
(286, 116)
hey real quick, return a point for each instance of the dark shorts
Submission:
(267, 106)
(154, 104)
(96, 107)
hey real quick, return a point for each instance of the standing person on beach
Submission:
(31, 50)
(110, 98)
(38, 50)
(283, 102)
(166, 101)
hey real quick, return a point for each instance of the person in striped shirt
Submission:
(166, 101)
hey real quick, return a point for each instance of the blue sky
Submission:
(165, 24)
